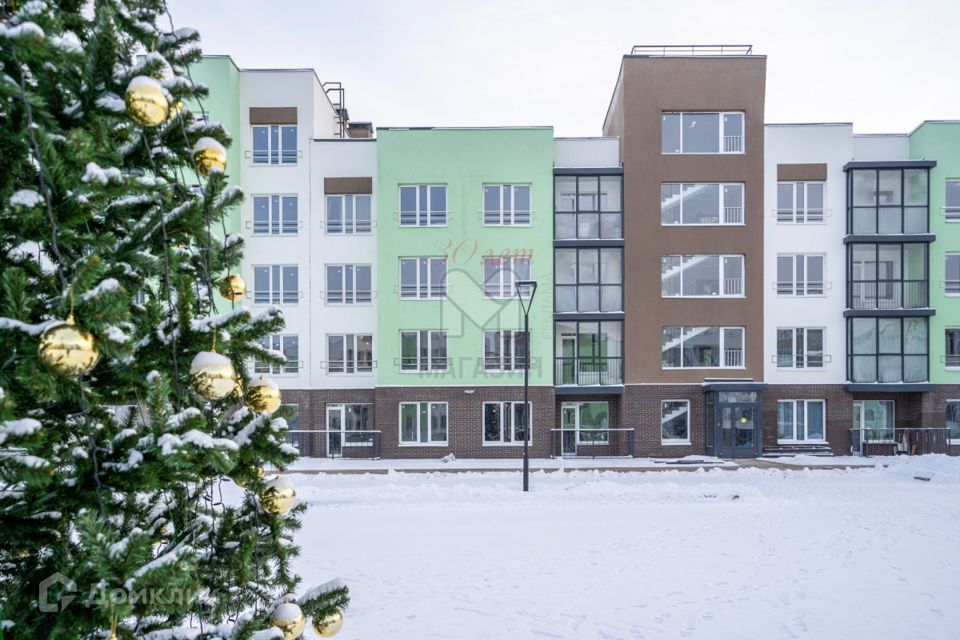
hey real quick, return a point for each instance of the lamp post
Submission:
(526, 289)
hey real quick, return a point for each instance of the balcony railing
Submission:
(951, 287)
(666, 50)
(733, 215)
(804, 361)
(589, 370)
(584, 225)
(800, 216)
(888, 220)
(732, 144)
(888, 294)
(912, 441)
(335, 443)
(808, 288)
(951, 360)
(594, 443)
(951, 214)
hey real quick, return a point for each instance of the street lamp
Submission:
(526, 289)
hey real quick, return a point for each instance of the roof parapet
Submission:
(686, 50)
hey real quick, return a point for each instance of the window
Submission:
(504, 351)
(588, 280)
(506, 204)
(799, 348)
(951, 201)
(286, 345)
(702, 132)
(589, 352)
(801, 420)
(874, 419)
(701, 204)
(951, 356)
(275, 215)
(953, 421)
(951, 283)
(349, 353)
(887, 349)
(675, 421)
(590, 421)
(887, 276)
(800, 275)
(503, 423)
(701, 276)
(349, 214)
(502, 273)
(348, 284)
(887, 201)
(275, 144)
(423, 205)
(276, 284)
(702, 347)
(423, 278)
(423, 350)
(423, 423)
(588, 207)
(351, 425)
(800, 202)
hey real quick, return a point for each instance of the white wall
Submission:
(350, 158)
(881, 146)
(586, 152)
(801, 144)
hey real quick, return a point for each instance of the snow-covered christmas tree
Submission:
(125, 405)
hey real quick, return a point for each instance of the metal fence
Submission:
(329, 443)
(593, 443)
(912, 441)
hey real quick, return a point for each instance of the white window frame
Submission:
(514, 441)
(424, 217)
(951, 288)
(578, 406)
(276, 224)
(722, 347)
(726, 216)
(721, 276)
(277, 342)
(348, 225)
(949, 439)
(722, 143)
(275, 156)
(506, 276)
(427, 366)
(351, 367)
(279, 295)
(947, 363)
(806, 414)
(423, 290)
(951, 213)
(507, 214)
(350, 296)
(801, 361)
(893, 419)
(794, 288)
(430, 441)
(804, 214)
(507, 361)
(343, 432)
(673, 442)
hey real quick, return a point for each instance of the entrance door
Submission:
(569, 417)
(335, 431)
(737, 431)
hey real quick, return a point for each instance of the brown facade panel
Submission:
(273, 115)
(647, 88)
(801, 172)
(347, 185)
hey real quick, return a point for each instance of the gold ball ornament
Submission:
(278, 497)
(146, 101)
(68, 349)
(263, 396)
(212, 375)
(289, 618)
(232, 287)
(209, 156)
(329, 626)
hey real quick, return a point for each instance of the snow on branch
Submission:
(31, 329)
(26, 198)
(18, 428)
(206, 325)
(26, 29)
(322, 590)
(108, 285)
(111, 102)
(97, 175)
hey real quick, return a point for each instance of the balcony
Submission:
(589, 371)
(871, 295)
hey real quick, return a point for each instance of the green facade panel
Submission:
(940, 141)
(464, 161)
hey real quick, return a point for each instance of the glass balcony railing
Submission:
(888, 294)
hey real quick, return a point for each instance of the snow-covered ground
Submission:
(513, 464)
(748, 553)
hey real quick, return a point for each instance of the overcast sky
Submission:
(883, 64)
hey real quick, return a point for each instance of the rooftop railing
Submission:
(666, 50)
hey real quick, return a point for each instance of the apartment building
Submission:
(808, 298)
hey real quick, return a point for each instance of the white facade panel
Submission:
(807, 144)
(881, 146)
(586, 152)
